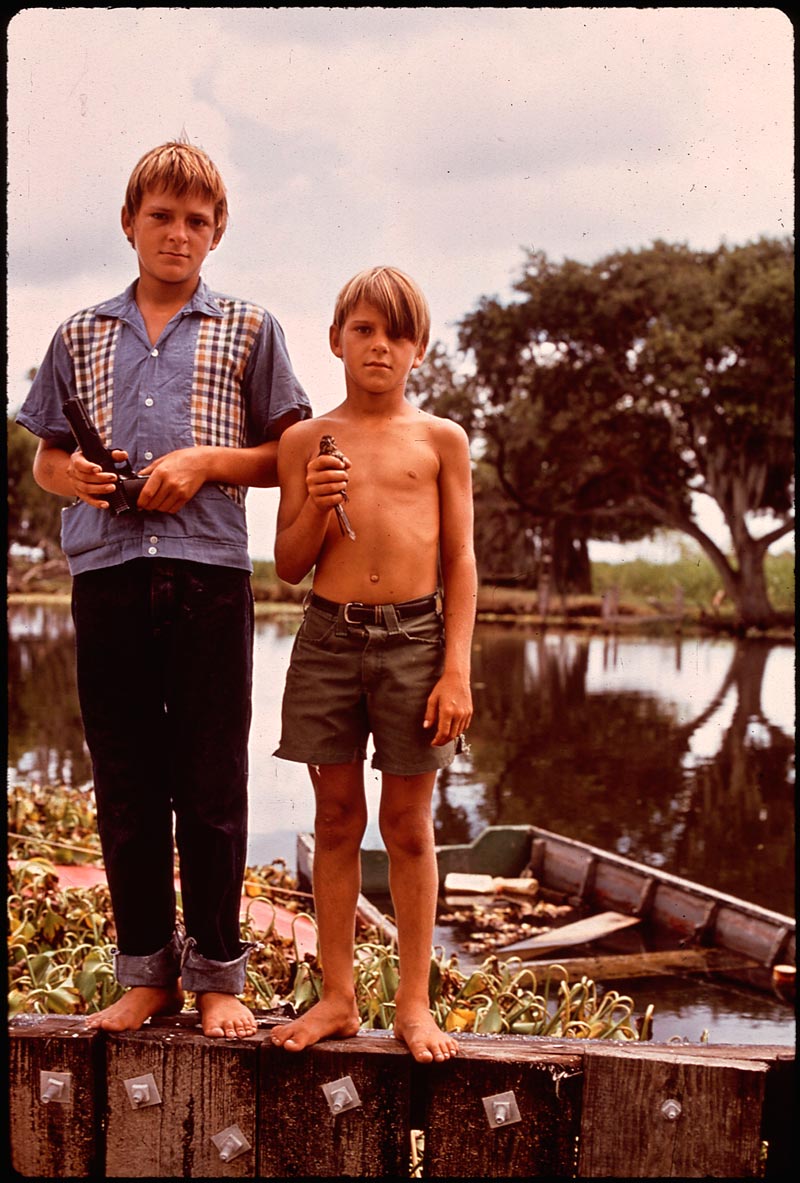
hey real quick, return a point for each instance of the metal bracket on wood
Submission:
(671, 1109)
(142, 1091)
(55, 1087)
(341, 1095)
(230, 1143)
(501, 1109)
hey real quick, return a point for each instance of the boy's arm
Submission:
(450, 702)
(178, 475)
(70, 474)
(311, 487)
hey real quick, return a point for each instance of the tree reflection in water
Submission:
(615, 767)
(45, 734)
(617, 743)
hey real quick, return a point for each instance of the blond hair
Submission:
(182, 169)
(395, 295)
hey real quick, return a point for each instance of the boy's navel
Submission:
(374, 578)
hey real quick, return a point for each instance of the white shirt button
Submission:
(154, 353)
(148, 455)
(152, 550)
(148, 402)
(154, 538)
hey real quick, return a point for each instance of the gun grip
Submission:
(131, 487)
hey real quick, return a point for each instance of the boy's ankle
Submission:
(338, 996)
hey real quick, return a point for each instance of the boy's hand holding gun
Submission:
(92, 467)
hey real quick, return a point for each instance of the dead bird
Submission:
(327, 447)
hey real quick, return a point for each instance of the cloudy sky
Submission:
(444, 141)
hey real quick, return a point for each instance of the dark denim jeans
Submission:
(165, 659)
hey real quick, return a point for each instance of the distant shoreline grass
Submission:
(630, 595)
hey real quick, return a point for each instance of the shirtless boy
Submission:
(376, 654)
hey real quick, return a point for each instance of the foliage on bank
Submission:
(603, 397)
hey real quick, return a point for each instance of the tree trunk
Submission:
(746, 584)
(753, 608)
(572, 571)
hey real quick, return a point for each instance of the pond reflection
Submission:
(659, 750)
(677, 753)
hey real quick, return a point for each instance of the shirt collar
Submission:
(124, 305)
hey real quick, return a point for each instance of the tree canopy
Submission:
(607, 394)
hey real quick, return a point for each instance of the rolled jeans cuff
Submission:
(161, 969)
(200, 975)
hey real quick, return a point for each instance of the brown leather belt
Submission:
(357, 613)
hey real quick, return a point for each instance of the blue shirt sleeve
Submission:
(270, 386)
(41, 412)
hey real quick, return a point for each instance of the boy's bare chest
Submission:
(403, 463)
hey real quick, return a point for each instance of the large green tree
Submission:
(608, 394)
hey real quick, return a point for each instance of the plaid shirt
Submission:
(219, 374)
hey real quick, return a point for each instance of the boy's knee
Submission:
(337, 823)
(404, 840)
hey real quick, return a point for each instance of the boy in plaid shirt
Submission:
(198, 389)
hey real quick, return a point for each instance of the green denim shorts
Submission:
(346, 682)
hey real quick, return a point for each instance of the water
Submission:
(678, 753)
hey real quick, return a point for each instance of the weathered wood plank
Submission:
(673, 1116)
(206, 1086)
(609, 967)
(730, 1096)
(490, 885)
(55, 1139)
(579, 932)
(298, 1133)
(461, 1143)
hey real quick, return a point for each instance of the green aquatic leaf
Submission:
(85, 984)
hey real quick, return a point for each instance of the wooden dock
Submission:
(166, 1102)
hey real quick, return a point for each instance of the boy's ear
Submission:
(418, 360)
(335, 341)
(127, 226)
(217, 239)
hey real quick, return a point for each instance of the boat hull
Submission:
(678, 912)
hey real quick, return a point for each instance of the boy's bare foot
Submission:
(137, 1004)
(327, 1019)
(224, 1016)
(416, 1027)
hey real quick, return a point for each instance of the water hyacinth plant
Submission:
(60, 943)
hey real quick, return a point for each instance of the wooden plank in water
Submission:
(299, 1134)
(460, 1142)
(55, 1138)
(675, 1115)
(576, 933)
(488, 884)
(611, 967)
(205, 1086)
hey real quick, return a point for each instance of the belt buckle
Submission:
(374, 608)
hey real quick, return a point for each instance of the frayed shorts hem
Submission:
(435, 764)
